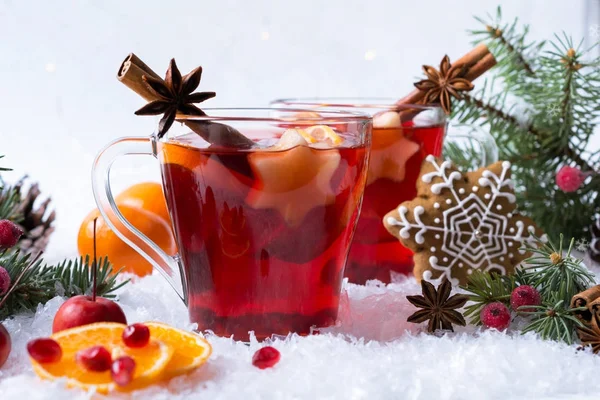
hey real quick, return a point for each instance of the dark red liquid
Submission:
(374, 252)
(247, 266)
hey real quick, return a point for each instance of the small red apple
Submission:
(83, 310)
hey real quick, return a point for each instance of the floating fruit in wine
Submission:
(263, 233)
(5, 345)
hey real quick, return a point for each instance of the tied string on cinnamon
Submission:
(447, 82)
(590, 300)
(172, 96)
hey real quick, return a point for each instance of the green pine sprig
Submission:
(541, 103)
(553, 320)
(555, 274)
(35, 282)
(485, 288)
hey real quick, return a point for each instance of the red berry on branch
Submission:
(4, 281)
(96, 358)
(122, 370)
(9, 234)
(5, 345)
(524, 295)
(136, 335)
(266, 357)
(44, 350)
(495, 315)
(569, 179)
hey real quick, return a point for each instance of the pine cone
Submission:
(35, 222)
(594, 249)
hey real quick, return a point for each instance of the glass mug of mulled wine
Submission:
(403, 135)
(264, 204)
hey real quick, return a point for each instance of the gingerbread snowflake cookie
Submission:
(462, 222)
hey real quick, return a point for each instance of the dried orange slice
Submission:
(191, 350)
(324, 132)
(150, 360)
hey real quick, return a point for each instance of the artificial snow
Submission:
(393, 360)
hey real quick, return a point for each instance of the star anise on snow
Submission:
(590, 336)
(440, 86)
(438, 307)
(174, 95)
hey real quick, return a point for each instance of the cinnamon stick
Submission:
(130, 73)
(590, 299)
(475, 63)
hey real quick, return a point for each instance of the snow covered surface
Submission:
(469, 364)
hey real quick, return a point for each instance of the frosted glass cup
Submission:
(264, 231)
(402, 137)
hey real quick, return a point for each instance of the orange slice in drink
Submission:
(150, 360)
(322, 133)
(191, 350)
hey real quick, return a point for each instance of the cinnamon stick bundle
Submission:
(590, 299)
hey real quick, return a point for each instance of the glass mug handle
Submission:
(488, 150)
(168, 266)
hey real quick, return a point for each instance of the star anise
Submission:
(174, 95)
(440, 86)
(590, 336)
(438, 307)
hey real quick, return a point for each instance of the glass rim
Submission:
(325, 116)
(353, 102)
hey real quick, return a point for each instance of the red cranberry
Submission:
(122, 370)
(44, 350)
(9, 234)
(5, 345)
(136, 335)
(96, 358)
(495, 315)
(266, 357)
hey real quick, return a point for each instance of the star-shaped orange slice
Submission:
(293, 181)
(390, 150)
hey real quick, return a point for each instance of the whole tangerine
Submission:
(119, 253)
(147, 196)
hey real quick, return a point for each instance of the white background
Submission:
(60, 101)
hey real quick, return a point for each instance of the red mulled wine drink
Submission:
(403, 136)
(264, 231)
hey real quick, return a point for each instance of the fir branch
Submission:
(553, 320)
(486, 288)
(10, 199)
(497, 34)
(41, 282)
(557, 276)
(74, 277)
(507, 44)
(494, 112)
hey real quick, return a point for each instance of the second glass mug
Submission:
(402, 137)
(263, 234)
